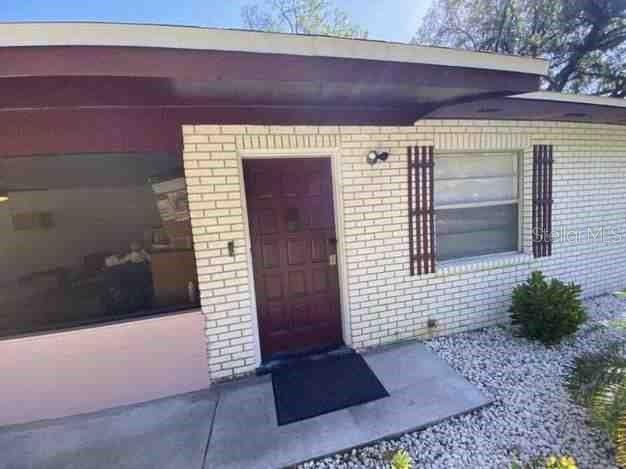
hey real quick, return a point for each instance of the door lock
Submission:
(332, 259)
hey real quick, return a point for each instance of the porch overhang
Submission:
(540, 106)
(55, 77)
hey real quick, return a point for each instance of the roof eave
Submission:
(196, 38)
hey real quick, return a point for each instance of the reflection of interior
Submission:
(92, 237)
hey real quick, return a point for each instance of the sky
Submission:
(390, 20)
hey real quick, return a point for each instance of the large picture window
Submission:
(476, 204)
(92, 238)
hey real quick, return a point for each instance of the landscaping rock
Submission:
(532, 415)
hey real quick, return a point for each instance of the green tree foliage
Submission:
(584, 40)
(546, 311)
(300, 17)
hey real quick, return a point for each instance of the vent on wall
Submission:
(33, 221)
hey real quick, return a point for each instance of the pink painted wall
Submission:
(85, 370)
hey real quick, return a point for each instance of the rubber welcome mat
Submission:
(313, 387)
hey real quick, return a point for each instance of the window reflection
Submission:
(92, 238)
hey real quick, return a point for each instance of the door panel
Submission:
(267, 221)
(292, 225)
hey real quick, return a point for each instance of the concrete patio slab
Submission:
(168, 433)
(423, 390)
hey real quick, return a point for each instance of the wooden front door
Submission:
(294, 252)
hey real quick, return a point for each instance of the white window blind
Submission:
(476, 204)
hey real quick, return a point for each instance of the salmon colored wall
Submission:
(85, 370)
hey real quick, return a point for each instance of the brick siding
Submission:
(384, 303)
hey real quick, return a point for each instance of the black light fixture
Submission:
(4, 195)
(374, 157)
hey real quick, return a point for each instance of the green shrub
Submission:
(551, 462)
(546, 311)
(401, 460)
(598, 382)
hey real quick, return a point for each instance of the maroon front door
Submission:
(294, 252)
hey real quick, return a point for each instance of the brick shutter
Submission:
(421, 209)
(542, 200)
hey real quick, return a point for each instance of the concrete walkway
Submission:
(234, 425)
(169, 433)
(423, 390)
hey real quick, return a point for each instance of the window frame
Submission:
(519, 154)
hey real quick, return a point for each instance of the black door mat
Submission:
(287, 359)
(308, 388)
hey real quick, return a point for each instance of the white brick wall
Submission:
(385, 304)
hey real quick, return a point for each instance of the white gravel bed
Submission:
(532, 415)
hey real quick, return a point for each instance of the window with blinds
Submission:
(476, 204)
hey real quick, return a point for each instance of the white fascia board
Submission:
(196, 38)
(573, 98)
